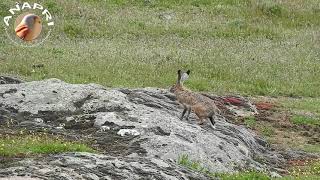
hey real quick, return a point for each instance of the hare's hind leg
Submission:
(188, 114)
(212, 117)
(212, 120)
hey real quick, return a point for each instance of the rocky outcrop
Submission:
(96, 166)
(137, 130)
(9, 80)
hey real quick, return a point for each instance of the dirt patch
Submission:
(274, 123)
(264, 106)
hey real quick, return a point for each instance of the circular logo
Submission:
(28, 24)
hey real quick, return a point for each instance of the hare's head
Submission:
(182, 76)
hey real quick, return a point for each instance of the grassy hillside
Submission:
(258, 47)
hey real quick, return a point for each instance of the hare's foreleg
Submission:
(200, 111)
(184, 112)
(201, 120)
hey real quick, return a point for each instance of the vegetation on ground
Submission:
(304, 120)
(265, 129)
(185, 161)
(26, 145)
(250, 122)
(306, 105)
(267, 47)
(288, 123)
(307, 170)
(313, 148)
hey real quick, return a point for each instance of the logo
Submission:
(28, 24)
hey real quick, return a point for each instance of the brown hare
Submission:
(203, 106)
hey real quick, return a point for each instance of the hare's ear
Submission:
(179, 76)
(185, 76)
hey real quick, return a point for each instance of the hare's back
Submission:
(209, 103)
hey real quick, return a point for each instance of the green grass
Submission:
(244, 176)
(266, 47)
(185, 161)
(313, 148)
(267, 130)
(194, 165)
(310, 171)
(264, 128)
(301, 104)
(12, 146)
(304, 120)
(250, 122)
(306, 110)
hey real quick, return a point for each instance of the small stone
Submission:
(106, 178)
(166, 16)
(123, 132)
(275, 175)
(91, 176)
(104, 128)
(62, 125)
(100, 120)
(44, 171)
(38, 120)
(69, 119)
(6, 95)
(160, 163)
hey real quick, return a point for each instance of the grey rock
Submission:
(69, 118)
(166, 16)
(59, 127)
(151, 131)
(91, 176)
(19, 178)
(104, 128)
(38, 120)
(102, 118)
(123, 132)
(94, 166)
(9, 80)
(275, 175)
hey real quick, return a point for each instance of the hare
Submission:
(203, 106)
